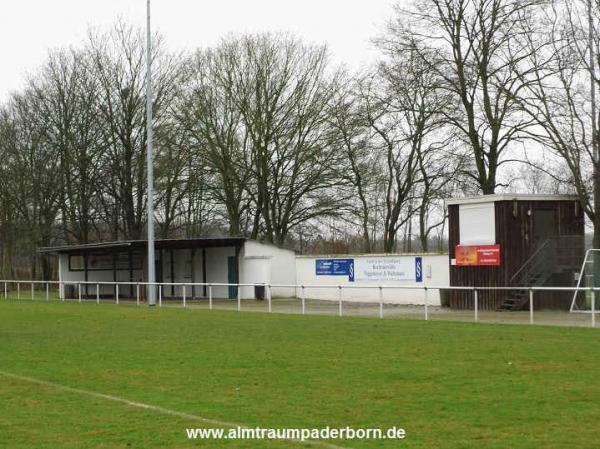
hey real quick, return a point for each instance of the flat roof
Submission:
(143, 244)
(366, 255)
(509, 197)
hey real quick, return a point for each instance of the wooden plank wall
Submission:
(514, 230)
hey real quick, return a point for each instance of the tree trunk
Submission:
(366, 238)
(389, 241)
(423, 231)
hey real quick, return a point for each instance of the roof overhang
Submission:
(127, 245)
(508, 197)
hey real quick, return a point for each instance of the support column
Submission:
(114, 261)
(172, 273)
(237, 271)
(161, 256)
(193, 268)
(130, 273)
(204, 271)
(85, 272)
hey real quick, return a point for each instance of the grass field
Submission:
(449, 384)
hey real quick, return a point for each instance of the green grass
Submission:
(26, 292)
(450, 385)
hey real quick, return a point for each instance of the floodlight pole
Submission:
(150, 165)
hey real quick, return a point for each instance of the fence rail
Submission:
(80, 290)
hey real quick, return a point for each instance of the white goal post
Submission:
(582, 300)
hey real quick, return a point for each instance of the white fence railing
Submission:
(117, 291)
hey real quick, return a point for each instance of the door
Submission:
(232, 276)
(545, 225)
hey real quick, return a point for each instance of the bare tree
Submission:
(257, 112)
(284, 101)
(31, 168)
(65, 90)
(476, 47)
(360, 170)
(7, 219)
(118, 61)
(561, 98)
(419, 91)
(215, 135)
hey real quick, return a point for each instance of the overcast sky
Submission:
(29, 28)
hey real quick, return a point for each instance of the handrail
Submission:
(529, 260)
(308, 286)
(556, 244)
(423, 302)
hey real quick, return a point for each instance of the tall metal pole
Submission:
(595, 144)
(150, 165)
(592, 63)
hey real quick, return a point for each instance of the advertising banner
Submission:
(477, 255)
(335, 267)
(375, 269)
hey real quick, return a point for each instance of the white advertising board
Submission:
(375, 269)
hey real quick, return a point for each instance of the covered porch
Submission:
(208, 260)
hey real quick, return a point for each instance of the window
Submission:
(106, 261)
(76, 262)
(477, 223)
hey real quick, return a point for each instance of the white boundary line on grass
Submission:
(156, 408)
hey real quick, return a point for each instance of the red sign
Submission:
(477, 255)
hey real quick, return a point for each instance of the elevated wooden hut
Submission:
(514, 240)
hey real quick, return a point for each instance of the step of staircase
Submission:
(514, 302)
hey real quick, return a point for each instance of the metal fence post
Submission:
(137, 294)
(530, 306)
(426, 294)
(269, 298)
(183, 287)
(97, 293)
(32, 292)
(64, 292)
(18, 290)
(239, 298)
(5, 291)
(341, 312)
(78, 292)
(380, 301)
(47, 292)
(210, 302)
(303, 297)
(159, 295)
(117, 293)
(476, 304)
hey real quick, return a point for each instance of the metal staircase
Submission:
(554, 256)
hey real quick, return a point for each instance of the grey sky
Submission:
(29, 28)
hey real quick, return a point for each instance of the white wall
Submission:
(258, 264)
(268, 264)
(216, 271)
(436, 272)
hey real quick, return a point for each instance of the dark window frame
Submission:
(136, 257)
